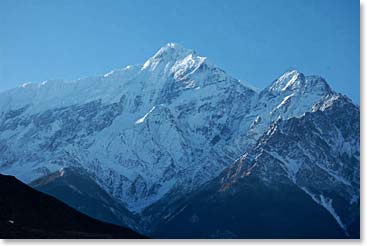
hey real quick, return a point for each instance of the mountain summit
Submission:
(172, 51)
(295, 80)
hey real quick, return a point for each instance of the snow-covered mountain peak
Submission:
(174, 63)
(295, 81)
(172, 50)
(288, 80)
(168, 54)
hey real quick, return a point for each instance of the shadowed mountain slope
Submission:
(27, 213)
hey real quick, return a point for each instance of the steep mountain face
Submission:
(74, 187)
(270, 191)
(140, 131)
(150, 134)
(27, 213)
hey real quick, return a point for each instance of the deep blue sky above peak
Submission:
(255, 41)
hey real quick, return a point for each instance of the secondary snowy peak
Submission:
(291, 95)
(286, 81)
(294, 80)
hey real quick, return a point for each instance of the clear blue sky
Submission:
(253, 40)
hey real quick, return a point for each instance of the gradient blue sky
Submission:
(252, 40)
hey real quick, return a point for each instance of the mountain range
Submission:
(175, 147)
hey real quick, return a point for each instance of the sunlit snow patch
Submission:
(141, 120)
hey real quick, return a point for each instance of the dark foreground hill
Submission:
(27, 213)
(77, 189)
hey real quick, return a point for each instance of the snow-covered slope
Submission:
(166, 126)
